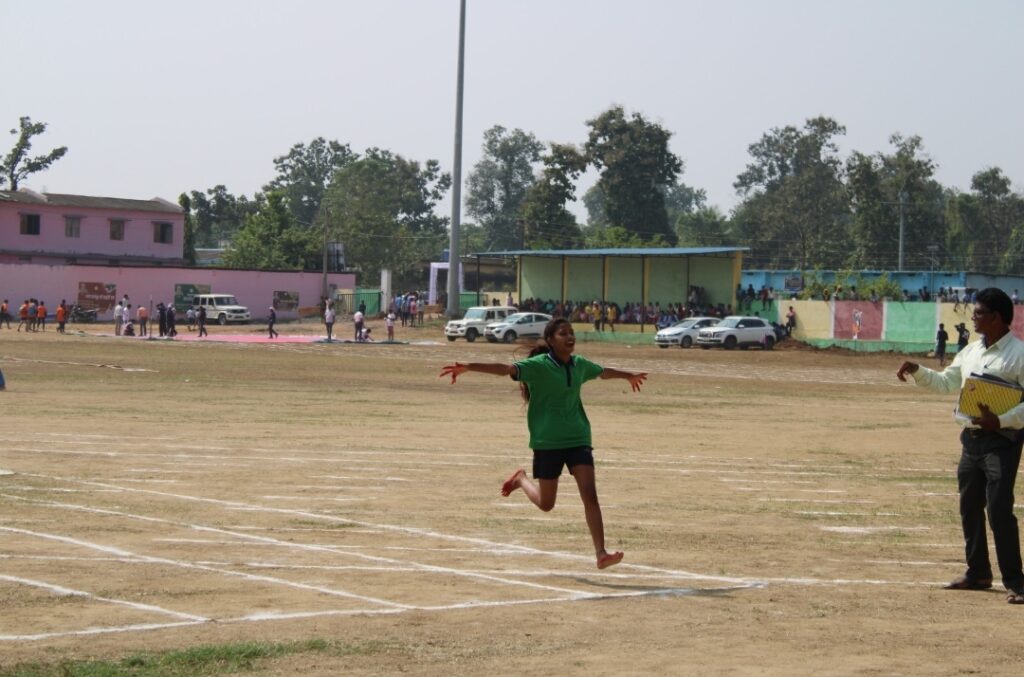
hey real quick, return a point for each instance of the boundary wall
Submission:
(886, 326)
(103, 286)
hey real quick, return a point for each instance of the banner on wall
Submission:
(794, 283)
(97, 295)
(286, 300)
(183, 294)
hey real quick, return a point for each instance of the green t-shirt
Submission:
(555, 415)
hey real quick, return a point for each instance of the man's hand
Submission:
(906, 368)
(453, 370)
(987, 421)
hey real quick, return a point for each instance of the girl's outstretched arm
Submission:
(459, 368)
(635, 379)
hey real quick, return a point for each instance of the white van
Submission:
(475, 321)
(221, 308)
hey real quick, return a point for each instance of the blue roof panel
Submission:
(650, 251)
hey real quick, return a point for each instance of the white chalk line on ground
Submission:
(276, 454)
(68, 592)
(187, 565)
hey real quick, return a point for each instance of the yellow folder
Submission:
(1000, 396)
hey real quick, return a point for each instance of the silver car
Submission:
(517, 326)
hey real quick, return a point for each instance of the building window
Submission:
(72, 226)
(117, 229)
(163, 232)
(30, 224)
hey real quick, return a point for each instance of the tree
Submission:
(381, 207)
(304, 174)
(987, 224)
(271, 240)
(15, 166)
(217, 214)
(547, 224)
(498, 184)
(795, 210)
(706, 227)
(189, 237)
(636, 168)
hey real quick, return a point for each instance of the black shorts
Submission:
(548, 463)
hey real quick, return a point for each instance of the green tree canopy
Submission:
(547, 223)
(217, 214)
(16, 165)
(304, 174)
(795, 210)
(636, 168)
(382, 208)
(271, 240)
(497, 186)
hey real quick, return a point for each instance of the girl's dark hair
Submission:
(543, 346)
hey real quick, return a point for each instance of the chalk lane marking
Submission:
(68, 592)
(412, 531)
(112, 550)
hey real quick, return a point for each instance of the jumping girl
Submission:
(550, 380)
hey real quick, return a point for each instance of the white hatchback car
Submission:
(517, 326)
(684, 332)
(737, 330)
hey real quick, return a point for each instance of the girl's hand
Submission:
(453, 370)
(636, 379)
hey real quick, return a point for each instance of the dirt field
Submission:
(786, 512)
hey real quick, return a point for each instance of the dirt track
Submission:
(783, 512)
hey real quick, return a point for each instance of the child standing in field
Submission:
(550, 380)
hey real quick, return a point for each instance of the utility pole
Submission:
(323, 280)
(453, 242)
(903, 199)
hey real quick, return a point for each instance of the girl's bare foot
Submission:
(512, 483)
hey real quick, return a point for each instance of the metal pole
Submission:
(323, 280)
(903, 197)
(453, 241)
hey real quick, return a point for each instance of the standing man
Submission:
(271, 332)
(201, 321)
(941, 338)
(991, 445)
(143, 316)
(62, 316)
(357, 319)
(118, 318)
(5, 313)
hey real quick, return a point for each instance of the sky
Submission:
(155, 99)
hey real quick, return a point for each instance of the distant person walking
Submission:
(201, 321)
(62, 316)
(329, 319)
(5, 314)
(941, 338)
(271, 332)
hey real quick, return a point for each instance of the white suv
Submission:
(737, 330)
(475, 320)
(221, 308)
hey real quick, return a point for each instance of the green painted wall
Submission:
(584, 283)
(667, 281)
(716, 276)
(542, 278)
(626, 280)
(910, 322)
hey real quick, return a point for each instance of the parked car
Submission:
(517, 326)
(221, 308)
(684, 332)
(737, 330)
(476, 319)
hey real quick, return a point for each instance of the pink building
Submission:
(94, 250)
(52, 229)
